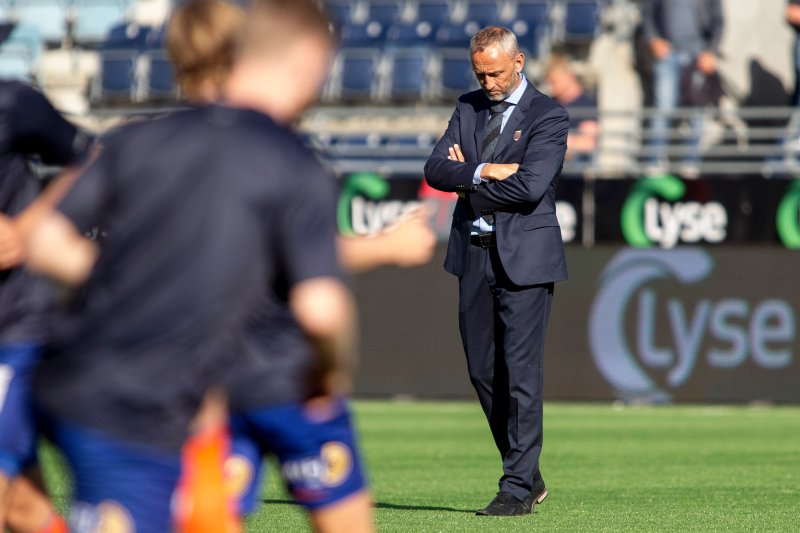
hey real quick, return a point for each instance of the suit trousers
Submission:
(502, 328)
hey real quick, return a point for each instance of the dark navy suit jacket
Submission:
(528, 236)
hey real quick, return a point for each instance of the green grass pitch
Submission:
(638, 469)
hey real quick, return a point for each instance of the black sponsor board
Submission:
(659, 212)
(670, 211)
(370, 201)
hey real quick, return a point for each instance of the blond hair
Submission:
(202, 38)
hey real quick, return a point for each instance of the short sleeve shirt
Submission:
(201, 209)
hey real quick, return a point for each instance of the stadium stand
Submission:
(581, 21)
(410, 34)
(455, 34)
(364, 34)
(484, 13)
(408, 74)
(436, 13)
(386, 13)
(93, 19)
(122, 76)
(405, 61)
(356, 71)
(456, 76)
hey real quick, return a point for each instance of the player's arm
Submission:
(540, 165)
(324, 308)
(56, 249)
(16, 232)
(409, 242)
(54, 241)
(442, 171)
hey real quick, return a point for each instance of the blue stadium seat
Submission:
(370, 34)
(436, 13)
(94, 19)
(534, 12)
(386, 12)
(358, 68)
(530, 39)
(128, 36)
(484, 13)
(161, 77)
(456, 34)
(581, 21)
(456, 75)
(339, 11)
(411, 34)
(48, 16)
(531, 24)
(409, 69)
(117, 80)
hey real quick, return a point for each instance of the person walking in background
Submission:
(502, 152)
(566, 89)
(684, 37)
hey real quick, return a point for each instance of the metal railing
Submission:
(698, 141)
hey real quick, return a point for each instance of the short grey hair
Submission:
(498, 36)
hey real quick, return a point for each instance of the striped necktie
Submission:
(493, 130)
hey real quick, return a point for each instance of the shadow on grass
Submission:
(385, 505)
(280, 502)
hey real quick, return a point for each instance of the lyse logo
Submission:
(730, 328)
(567, 220)
(652, 214)
(689, 222)
(362, 209)
(669, 334)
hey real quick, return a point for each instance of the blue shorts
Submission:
(17, 428)
(119, 486)
(316, 450)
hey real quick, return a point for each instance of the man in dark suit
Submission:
(502, 153)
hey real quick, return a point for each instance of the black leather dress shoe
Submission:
(537, 495)
(504, 504)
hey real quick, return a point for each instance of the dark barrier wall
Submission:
(692, 323)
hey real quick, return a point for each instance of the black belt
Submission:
(484, 240)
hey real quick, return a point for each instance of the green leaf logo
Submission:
(787, 219)
(366, 184)
(667, 187)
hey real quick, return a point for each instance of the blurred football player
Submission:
(29, 128)
(205, 211)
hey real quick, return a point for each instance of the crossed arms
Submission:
(507, 185)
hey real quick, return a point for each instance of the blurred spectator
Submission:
(567, 90)
(684, 37)
(793, 18)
